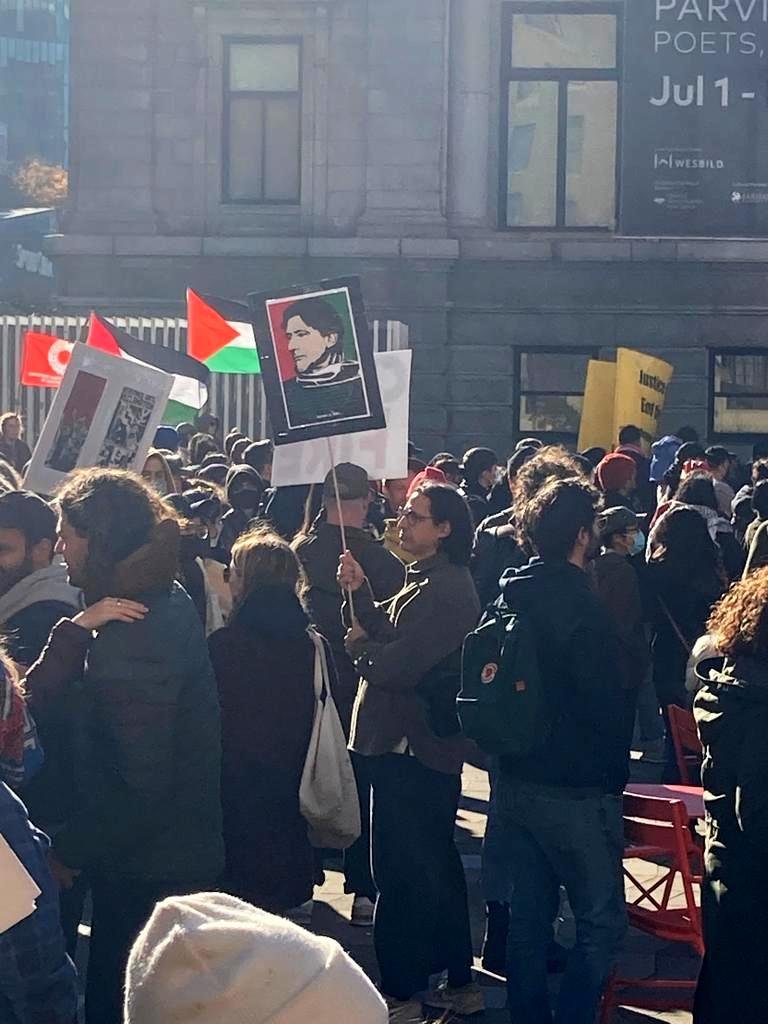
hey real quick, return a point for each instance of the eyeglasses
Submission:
(413, 517)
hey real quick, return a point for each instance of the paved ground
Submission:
(644, 957)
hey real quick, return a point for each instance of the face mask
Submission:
(245, 500)
(638, 544)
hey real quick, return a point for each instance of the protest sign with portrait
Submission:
(382, 453)
(316, 354)
(105, 414)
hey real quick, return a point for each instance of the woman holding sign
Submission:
(406, 728)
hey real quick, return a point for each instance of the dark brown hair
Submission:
(446, 505)
(553, 519)
(550, 463)
(7, 417)
(115, 510)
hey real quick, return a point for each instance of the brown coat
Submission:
(408, 639)
(617, 585)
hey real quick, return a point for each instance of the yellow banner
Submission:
(641, 389)
(596, 427)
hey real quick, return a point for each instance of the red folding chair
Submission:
(685, 737)
(657, 830)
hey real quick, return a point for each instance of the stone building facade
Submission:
(232, 145)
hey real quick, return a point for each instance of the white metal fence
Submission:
(237, 399)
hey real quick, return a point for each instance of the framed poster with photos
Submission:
(105, 413)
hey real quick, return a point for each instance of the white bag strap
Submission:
(322, 677)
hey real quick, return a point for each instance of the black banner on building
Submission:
(695, 118)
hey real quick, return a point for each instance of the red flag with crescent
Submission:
(44, 360)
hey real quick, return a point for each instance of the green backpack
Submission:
(501, 705)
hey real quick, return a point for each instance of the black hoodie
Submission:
(579, 663)
(240, 480)
(732, 716)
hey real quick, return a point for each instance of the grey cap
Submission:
(352, 481)
(616, 520)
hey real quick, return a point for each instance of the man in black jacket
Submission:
(558, 810)
(319, 552)
(479, 467)
(34, 591)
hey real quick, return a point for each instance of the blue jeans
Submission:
(497, 883)
(552, 837)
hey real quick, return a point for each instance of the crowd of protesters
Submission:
(158, 695)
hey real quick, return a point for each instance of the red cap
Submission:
(429, 475)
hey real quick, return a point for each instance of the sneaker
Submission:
(467, 1001)
(405, 1011)
(362, 912)
(301, 915)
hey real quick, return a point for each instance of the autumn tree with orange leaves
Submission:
(42, 183)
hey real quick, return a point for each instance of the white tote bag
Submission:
(328, 792)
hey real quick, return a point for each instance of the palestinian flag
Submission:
(190, 378)
(220, 334)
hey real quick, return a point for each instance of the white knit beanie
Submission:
(212, 958)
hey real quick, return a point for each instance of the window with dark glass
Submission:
(550, 384)
(739, 392)
(262, 118)
(559, 116)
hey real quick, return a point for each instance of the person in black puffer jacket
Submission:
(130, 686)
(731, 712)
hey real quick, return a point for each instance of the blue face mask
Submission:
(638, 545)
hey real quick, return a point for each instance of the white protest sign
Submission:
(105, 413)
(18, 890)
(382, 453)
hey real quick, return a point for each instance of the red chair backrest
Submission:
(657, 829)
(688, 751)
(654, 822)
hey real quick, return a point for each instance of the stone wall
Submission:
(400, 113)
